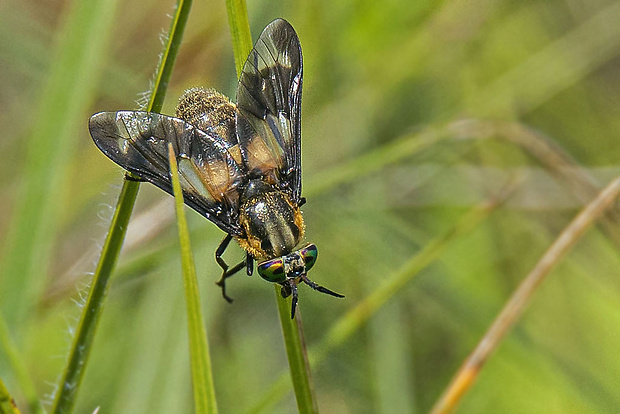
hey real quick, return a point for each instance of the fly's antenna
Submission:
(319, 287)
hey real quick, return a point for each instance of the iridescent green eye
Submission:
(272, 270)
(309, 254)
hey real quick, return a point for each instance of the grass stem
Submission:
(291, 329)
(468, 373)
(299, 367)
(202, 375)
(71, 379)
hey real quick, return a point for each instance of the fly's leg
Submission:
(226, 274)
(220, 251)
(225, 271)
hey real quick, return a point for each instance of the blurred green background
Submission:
(413, 114)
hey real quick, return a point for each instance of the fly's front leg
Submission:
(225, 271)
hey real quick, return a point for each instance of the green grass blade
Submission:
(169, 56)
(357, 316)
(7, 404)
(376, 159)
(58, 124)
(291, 330)
(85, 334)
(239, 31)
(293, 335)
(554, 69)
(20, 370)
(202, 377)
(78, 357)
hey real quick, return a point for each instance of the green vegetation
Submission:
(200, 360)
(446, 145)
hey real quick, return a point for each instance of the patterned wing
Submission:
(269, 108)
(210, 176)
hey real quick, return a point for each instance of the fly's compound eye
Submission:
(309, 254)
(272, 270)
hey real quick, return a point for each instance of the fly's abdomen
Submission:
(272, 223)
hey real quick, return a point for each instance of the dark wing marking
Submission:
(269, 108)
(210, 177)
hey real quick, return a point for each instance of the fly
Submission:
(239, 164)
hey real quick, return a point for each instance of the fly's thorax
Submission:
(273, 224)
(208, 110)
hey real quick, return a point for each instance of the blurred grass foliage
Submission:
(396, 151)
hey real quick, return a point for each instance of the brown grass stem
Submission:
(470, 369)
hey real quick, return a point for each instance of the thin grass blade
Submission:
(74, 371)
(471, 367)
(202, 376)
(58, 124)
(239, 31)
(293, 335)
(16, 361)
(7, 404)
(291, 329)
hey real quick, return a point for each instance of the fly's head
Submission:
(292, 269)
